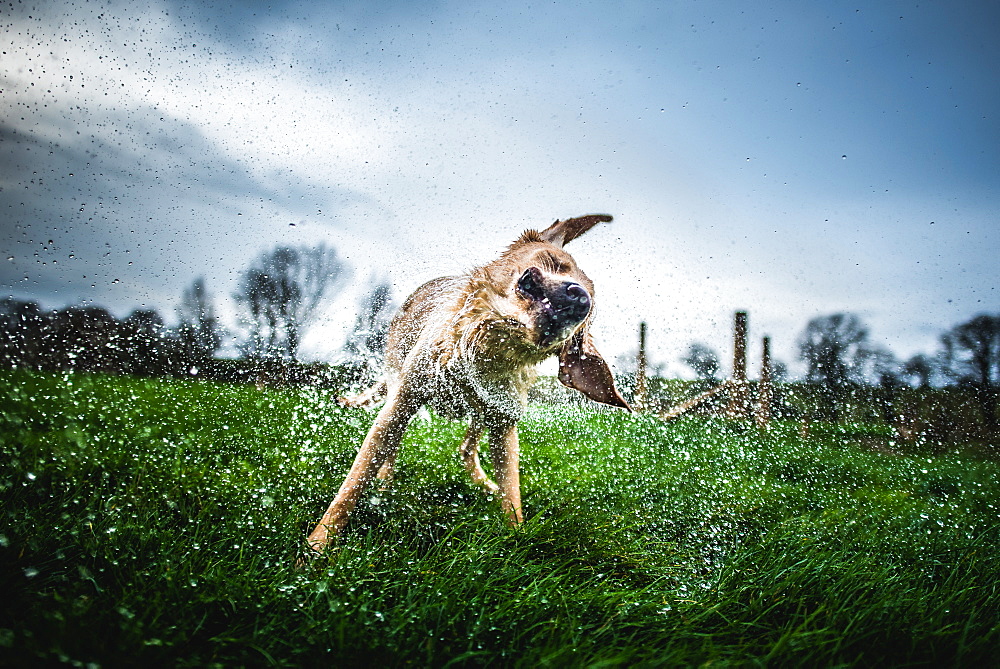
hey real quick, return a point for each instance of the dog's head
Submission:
(553, 301)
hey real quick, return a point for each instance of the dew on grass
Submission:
(688, 498)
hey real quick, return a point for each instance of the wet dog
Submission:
(467, 346)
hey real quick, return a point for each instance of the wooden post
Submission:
(740, 346)
(641, 390)
(739, 397)
(765, 391)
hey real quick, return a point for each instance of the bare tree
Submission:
(366, 343)
(281, 292)
(835, 349)
(879, 366)
(971, 353)
(199, 333)
(703, 360)
(256, 295)
(918, 370)
(143, 340)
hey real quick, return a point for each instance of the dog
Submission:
(467, 346)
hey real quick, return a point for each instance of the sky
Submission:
(788, 159)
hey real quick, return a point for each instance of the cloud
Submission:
(420, 138)
(132, 211)
(121, 182)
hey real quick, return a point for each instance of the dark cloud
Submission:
(127, 208)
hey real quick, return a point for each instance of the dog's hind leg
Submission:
(469, 450)
(381, 444)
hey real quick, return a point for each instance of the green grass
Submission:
(156, 523)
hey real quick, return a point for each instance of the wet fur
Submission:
(468, 347)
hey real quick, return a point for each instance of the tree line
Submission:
(840, 356)
(278, 298)
(90, 338)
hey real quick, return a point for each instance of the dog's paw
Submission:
(361, 401)
(304, 560)
(311, 554)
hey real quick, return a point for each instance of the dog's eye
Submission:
(553, 263)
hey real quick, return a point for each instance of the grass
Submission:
(149, 522)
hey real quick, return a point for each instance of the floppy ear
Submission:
(561, 233)
(581, 367)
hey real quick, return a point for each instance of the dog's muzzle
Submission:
(562, 305)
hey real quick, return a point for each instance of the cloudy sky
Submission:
(791, 159)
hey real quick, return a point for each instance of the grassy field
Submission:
(156, 523)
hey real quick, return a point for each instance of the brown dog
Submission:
(468, 346)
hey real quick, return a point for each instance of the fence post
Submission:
(639, 401)
(765, 391)
(739, 397)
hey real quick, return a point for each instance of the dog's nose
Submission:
(575, 291)
(572, 300)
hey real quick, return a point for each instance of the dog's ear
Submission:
(561, 233)
(581, 367)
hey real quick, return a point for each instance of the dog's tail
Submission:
(368, 398)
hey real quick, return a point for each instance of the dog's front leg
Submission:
(382, 442)
(506, 456)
